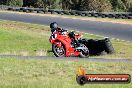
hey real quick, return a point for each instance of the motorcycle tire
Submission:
(108, 46)
(84, 54)
(54, 46)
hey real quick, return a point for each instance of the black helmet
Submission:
(54, 25)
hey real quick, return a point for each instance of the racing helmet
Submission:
(54, 25)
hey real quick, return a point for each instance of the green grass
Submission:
(123, 50)
(51, 73)
(22, 38)
(17, 38)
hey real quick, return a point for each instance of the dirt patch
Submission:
(41, 53)
(26, 53)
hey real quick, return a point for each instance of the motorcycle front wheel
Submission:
(58, 52)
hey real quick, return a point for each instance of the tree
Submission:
(66, 4)
(39, 3)
(14, 2)
(128, 4)
(3, 2)
(76, 4)
(121, 5)
(53, 4)
(43, 3)
(87, 5)
(96, 5)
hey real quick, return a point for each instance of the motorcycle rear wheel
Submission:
(84, 53)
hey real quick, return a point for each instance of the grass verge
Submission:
(23, 38)
(17, 38)
(51, 73)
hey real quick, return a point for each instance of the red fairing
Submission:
(59, 38)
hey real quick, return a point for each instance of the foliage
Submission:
(96, 5)
(14, 2)
(87, 5)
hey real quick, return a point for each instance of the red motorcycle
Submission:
(65, 44)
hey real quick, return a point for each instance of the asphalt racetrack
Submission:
(66, 58)
(112, 30)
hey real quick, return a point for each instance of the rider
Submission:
(54, 27)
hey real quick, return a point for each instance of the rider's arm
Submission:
(62, 30)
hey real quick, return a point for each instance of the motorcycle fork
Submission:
(58, 44)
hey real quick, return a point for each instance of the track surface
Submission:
(65, 58)
(120, 31)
